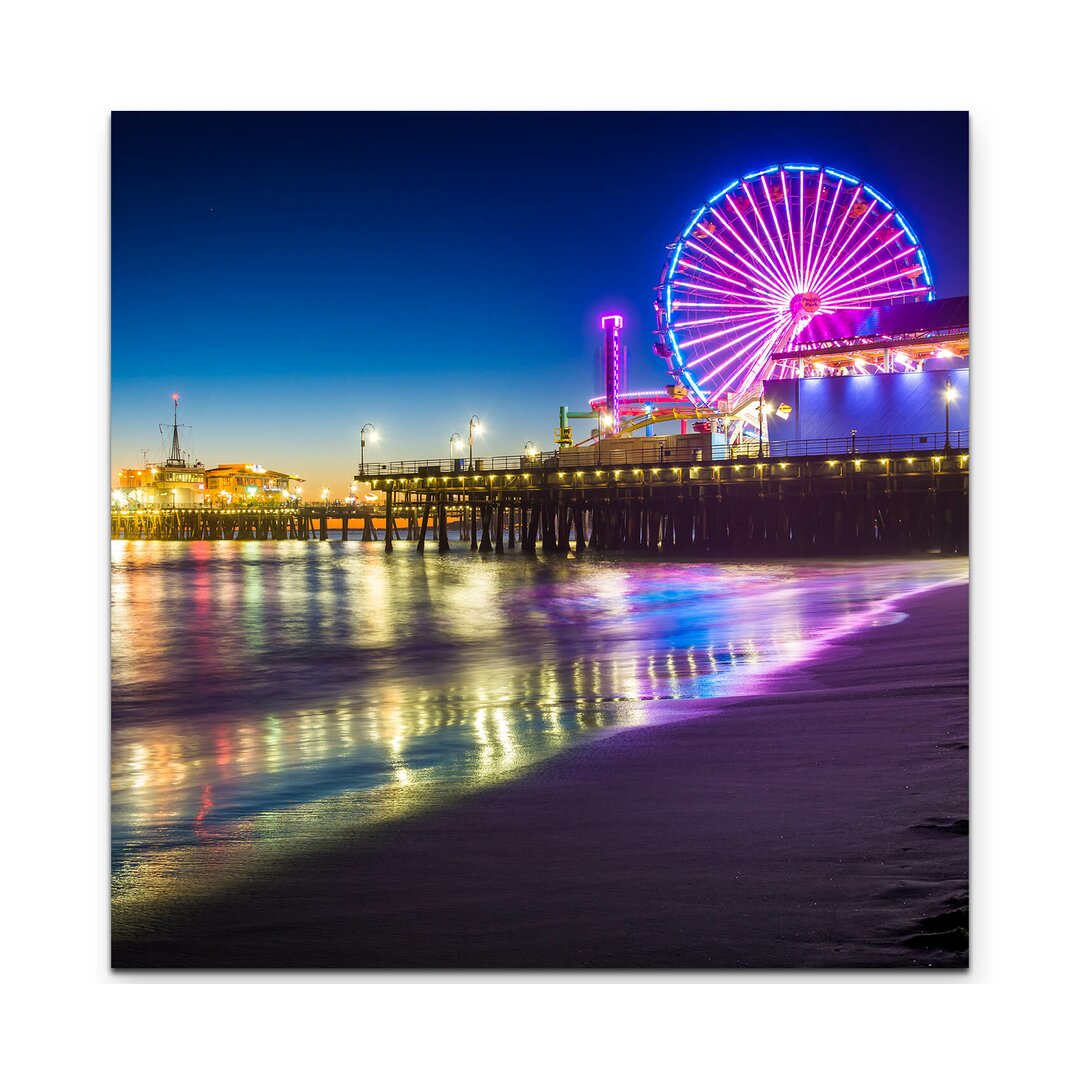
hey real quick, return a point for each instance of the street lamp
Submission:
(763, 410)
(363, 431)
(950, 395)
(530, 449)
(455, 443)
(474, 426)
(326, 496)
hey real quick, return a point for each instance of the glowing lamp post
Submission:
(763, 410)
(474, 426)
(363, 442)
(326, 496)
(530, 449)
(950, 395)
(455, 443)
(603, 421)
(725, 427)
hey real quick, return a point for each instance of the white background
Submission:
(65, 66)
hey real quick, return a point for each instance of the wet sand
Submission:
(822, 825)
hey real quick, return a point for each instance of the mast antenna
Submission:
(175, 457)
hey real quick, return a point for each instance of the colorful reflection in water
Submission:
(271, 696)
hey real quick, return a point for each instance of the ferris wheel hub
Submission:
(805, 305)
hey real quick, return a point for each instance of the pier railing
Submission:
(661, 451)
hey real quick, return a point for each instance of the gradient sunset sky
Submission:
(295, 275)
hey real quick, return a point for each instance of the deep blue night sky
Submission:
(294, 276)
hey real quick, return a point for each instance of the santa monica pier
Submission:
(812, 399)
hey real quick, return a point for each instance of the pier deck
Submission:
(908, 496)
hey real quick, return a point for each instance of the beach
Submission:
(822, 823)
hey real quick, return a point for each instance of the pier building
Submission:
(165, 484)
(251, 483)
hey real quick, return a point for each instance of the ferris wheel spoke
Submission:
(848, 282)
(819, 255)
(846, 252)
(826, 260)
(741, 324)
(813, 222)
(802, 229)
(779, 271)
(756, 340)
(840, 277)
(889, 295)
(728, 313)
(766, 269)
(790, 231)
(757, 367)
(777, 263)
(752, 335)
(715, 320)
(872, 234)
(751, 285)
(689, 291)
(686, 287)
(779, 233)
(721, 305)
(747, 272)
(759, 272)
(756, 363)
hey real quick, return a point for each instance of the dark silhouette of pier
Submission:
(910, 496)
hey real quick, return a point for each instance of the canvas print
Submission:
(539, 540)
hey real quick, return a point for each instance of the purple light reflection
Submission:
(296, 690)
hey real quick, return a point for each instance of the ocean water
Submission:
(268, 697)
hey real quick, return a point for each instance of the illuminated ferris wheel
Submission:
(762, 259)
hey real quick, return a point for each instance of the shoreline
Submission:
(822, 824)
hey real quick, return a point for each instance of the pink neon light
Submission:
(779, 233)
(850, 275)
(721, 277)
(762, 276)
(778, 271)
(772, 273)
(861, 244)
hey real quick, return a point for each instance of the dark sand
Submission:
(822, 825)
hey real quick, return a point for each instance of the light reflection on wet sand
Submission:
(273, 698)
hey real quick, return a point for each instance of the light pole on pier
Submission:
(950, 395)
(455, 443)
(474, 426)
(603, 420)
(762, 411)
(725, 427)
(363, 431)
